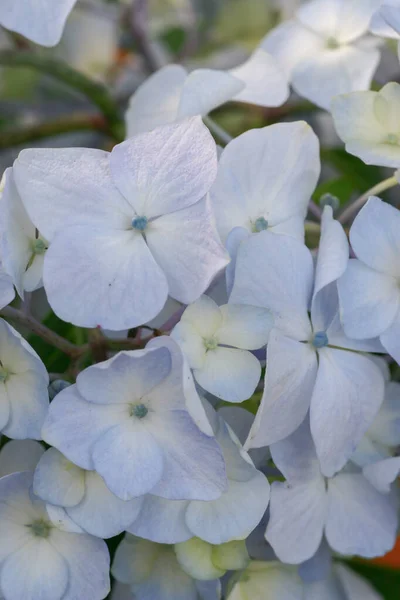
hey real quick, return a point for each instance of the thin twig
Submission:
(39, 131)
(95, 92)
(44, 332)
(315, 210)
(355, 206)
(139, 21)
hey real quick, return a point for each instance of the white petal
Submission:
(204, 316)
(290, 43)
(73, 425)
(167, 582)
(186, 246)
(129, 459)
(68, 186)
(167, 169)
(383, 473)
(375, 237)
(195, 558)
(191, 344)
(346, 21)
(245, 327)
(162, 521)
(58, 481)
(348, 393)
(234, 515)
(369, 301)
(41, 22)
(229, 374)
(269, 581)
(124, 378)
(333, 256)
(321, 16)
(33, 278)
(185, 476)
(16, 355)
(4, 406)
(265, 83)
(390, 338)
(19, 455)
(206, 89)
(179, 387)
(360, 520)
(113, 280)
(332, 72)
(16, 509)
(156, 101)
(60, 519)
(134, 560)
(355, 117)
(100, 513)
(7, 292)
(297, 516)
(390, 12)
(29, 403)
(378, 26)
(290, 379)
(17, 234)
(270, 173)
(35, 571)
(88, 563)
(276, 272)
(296, 457)
(232, 244)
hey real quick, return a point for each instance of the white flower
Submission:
(216, 341)
(346, 508)
(171, 94)
(24, 398)
(310, 362)
(42, 22)
(369, 124)
(19, 455)
(128, 419)
(38, 560)
(265, 180)
(274, 580)
(126, 228)
(23, 248)
(369, 290)
(153, 572)
(325, 51)
(84, 495)
(231, 517)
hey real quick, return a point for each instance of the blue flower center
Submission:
(40, 528)
(140, 223)
(260, 224)
(320, 339)
(210, 343)
(139, 411)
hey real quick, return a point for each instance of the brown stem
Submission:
(44, 332)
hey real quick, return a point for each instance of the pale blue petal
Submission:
(297, 518)
(360, 520)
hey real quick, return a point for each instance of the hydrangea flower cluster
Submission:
(144, 436)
